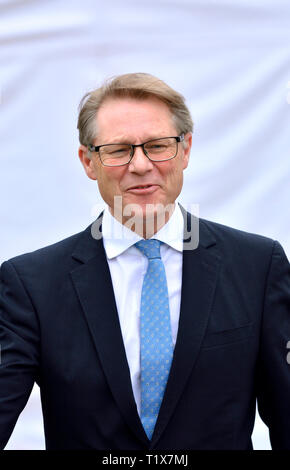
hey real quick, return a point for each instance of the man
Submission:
(137, 337)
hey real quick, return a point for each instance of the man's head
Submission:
(135, 109)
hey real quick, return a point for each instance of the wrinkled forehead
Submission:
(137, 103)
(132, 117)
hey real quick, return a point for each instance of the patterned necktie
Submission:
(155, 333)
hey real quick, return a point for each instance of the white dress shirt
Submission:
(128, 267)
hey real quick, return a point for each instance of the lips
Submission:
(143, 188)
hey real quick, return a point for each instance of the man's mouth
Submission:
(143, 188)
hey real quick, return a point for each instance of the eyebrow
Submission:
(129, 141)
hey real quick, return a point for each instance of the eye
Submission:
(115, 150)
(118, 151)
(156, 146)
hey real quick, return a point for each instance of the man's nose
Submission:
(140, 163)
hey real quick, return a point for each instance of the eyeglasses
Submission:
(157, 150)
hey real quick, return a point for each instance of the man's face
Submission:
(127, 120)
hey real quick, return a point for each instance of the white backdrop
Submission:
(230, 58)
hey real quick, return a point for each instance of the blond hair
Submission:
(132, 85)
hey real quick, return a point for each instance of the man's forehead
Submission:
(127, 119)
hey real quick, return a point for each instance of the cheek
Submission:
(174, 172)
(175, 180)
(168, 169)
(109, 179)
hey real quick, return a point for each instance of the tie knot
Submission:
(149, 248)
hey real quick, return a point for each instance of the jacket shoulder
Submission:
(237, 242)
(54, 253)
(227, 232)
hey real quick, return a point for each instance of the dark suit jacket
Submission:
(59, 327)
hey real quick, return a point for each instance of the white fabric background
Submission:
(230, 58)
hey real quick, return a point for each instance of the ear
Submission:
(87, 162)
(186, 149)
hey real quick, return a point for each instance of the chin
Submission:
(152, 209)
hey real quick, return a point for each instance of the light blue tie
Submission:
(155, 333)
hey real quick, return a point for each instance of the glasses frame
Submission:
(179, 138)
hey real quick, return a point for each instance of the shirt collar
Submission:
(117, 238)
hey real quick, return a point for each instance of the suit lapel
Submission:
(199, 277)
(93, 285)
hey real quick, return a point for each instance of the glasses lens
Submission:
(115, 154)
(161, 149)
